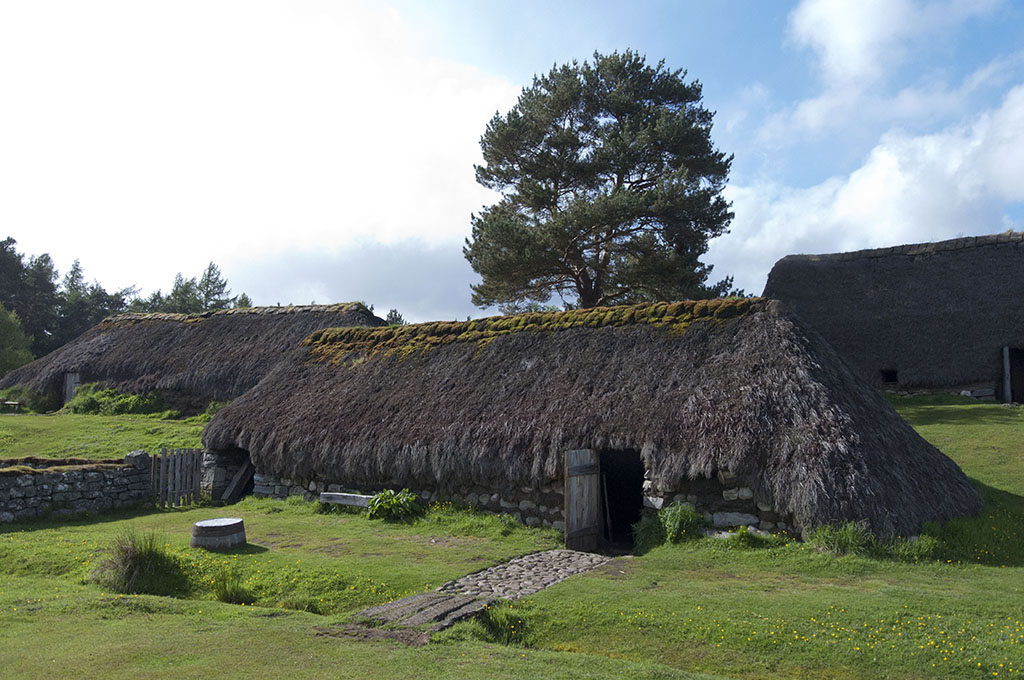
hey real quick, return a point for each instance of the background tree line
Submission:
(42, 311)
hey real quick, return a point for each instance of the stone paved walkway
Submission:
(525, 575)
(466, 597)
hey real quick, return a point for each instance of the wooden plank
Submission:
(577, 470)
(239, 481)
(176, 491)
(197, 470)
(184, 472)
(1007, 378)
(582, 500)
(163, 477)
(352, 499)
(187, 488)
(171, 476)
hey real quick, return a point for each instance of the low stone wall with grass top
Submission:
(36, 487)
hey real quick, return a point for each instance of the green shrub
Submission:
(851, 538)
(140, 564)
(38, 403)
(648, 534)
(91, 399)
(744, 538)
(682, 522)
(394, 507)
(677, 523)
(207, 415)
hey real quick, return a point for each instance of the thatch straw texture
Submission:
(936, 313)
(195, 357)
(728, 385)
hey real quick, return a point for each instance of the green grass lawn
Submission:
(66, 435)
(725, 609)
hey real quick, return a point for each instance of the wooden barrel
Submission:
(222, 533)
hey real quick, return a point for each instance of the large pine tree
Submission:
(611, 188)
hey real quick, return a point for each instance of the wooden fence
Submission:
(175, 475)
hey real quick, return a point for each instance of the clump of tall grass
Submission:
(508, 624)
(851, 538)
(229, 587)
(137, 563)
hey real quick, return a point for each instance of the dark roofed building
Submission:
(728, 404)
(946, 315)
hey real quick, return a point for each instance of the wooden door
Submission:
(71, 383)
(582, 499)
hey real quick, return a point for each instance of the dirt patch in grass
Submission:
(618, 568)
(442, 541)
(410, 638)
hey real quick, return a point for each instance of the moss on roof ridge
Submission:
(121, 319)
(335, 344)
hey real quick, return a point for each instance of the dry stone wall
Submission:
(30, 489)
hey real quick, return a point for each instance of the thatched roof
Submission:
(697, 387)
(196, 357)
(937, 314)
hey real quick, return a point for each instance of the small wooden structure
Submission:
(222, 533)
(175, 476)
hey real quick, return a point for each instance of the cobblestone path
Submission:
(467, 596)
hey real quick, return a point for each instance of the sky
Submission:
(323, 151)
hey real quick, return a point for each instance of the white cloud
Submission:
(909, 189)
(859, 46)
(147, 138)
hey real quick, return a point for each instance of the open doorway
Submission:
(622, 483)
(1017, 375)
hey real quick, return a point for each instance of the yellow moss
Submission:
(337, 345)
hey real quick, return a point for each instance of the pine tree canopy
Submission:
(611, 189)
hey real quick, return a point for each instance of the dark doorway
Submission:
(889, 376)
(622, 482)
(1017, 375)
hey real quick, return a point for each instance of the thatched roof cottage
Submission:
(947, 315)
(727, 403)
(188, 359)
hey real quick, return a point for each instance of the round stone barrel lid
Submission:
(218, 522)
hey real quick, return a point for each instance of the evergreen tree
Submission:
(37, 307)
(611, 189)
(213, 289)
(81, 306)
(394, 318)
(14, 344)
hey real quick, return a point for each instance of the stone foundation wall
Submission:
(724, 501)
(218, 469)
(71, 490)
(541, 506)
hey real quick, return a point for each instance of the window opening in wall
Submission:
(889, 376)
(622, 484)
